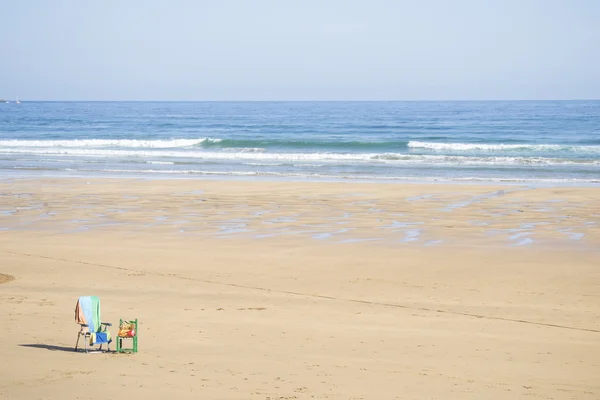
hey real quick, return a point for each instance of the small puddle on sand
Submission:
(474, 199)
(411, 235)
(572, 235)
(414, 198)
(327, 235)
(356, 240)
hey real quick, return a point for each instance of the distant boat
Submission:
(18, 102)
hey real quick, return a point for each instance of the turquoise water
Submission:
(522, 141)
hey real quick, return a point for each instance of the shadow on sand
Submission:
(50, 347)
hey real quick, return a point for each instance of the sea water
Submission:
(508, 141)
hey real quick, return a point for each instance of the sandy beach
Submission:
(292, 290)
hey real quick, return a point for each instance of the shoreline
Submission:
(150, 176)
(332, 212)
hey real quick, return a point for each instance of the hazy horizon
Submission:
(269, 50)
(302, 101)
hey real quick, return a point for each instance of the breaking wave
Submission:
(244, 154)
(103, 143)
(502, 147)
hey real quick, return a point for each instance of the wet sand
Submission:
(277, 290)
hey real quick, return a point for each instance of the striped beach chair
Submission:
(87, 315)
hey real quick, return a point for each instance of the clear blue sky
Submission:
(299, 49)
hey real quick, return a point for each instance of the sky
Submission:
(299, 49)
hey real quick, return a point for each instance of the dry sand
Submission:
(273, 290)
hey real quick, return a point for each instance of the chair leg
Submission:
(77, 343)
(85, 342)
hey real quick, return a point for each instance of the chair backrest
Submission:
(87, 312)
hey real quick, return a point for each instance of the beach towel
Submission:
(87, 312)
(100, 337)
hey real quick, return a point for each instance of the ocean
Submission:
(495, 141)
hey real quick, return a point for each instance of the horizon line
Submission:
(294, 101)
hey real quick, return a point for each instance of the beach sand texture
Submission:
(290, 290)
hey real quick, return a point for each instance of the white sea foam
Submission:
(357, 177)
(265, 164)
(245, 150)
(181, 143)
(382, 158)
(501, 147)
(100, 143)
(161, 162)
